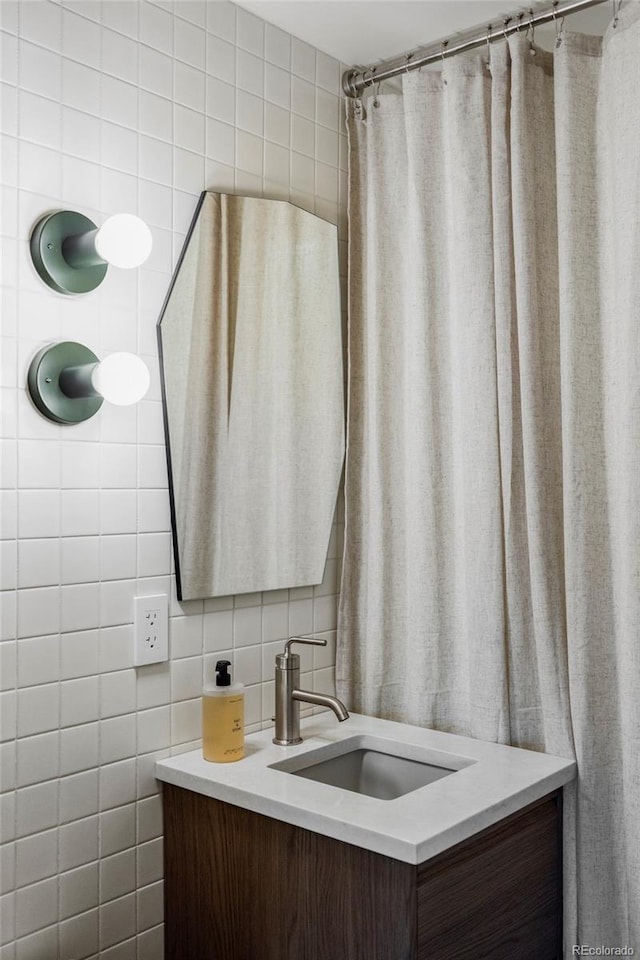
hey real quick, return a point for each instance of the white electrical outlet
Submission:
(150, 630)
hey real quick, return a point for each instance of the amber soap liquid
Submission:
(223, 728)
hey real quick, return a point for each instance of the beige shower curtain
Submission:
(491, 582)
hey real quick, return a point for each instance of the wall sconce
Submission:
(72, 255)
(68, 383)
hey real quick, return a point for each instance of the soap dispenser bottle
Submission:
(223, 717)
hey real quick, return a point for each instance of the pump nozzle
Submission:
(222, 673)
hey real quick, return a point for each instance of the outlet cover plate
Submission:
(150, 630)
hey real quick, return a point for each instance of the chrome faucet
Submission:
(288, 696)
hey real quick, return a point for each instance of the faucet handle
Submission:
(312, 641)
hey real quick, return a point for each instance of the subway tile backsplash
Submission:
(125, 106)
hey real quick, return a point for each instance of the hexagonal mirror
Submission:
(251, 352)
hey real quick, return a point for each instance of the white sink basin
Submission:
(373, 766)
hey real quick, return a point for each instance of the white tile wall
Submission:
(126, 106)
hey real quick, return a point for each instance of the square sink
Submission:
(373, 766)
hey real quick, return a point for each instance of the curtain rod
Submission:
(357, 79)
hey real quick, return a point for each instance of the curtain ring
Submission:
(376, 102)
(532, 26)
(505, 24)
(444, 47)
(359, 110)
(559, 26)
(408, 63)
(489, 47)
(616, 11)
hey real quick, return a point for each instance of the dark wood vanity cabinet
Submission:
(242, 886)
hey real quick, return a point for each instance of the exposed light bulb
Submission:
(124, 241)
(121, 378)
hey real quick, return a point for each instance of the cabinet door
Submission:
(241, 886)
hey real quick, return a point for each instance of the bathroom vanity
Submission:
(371, 840)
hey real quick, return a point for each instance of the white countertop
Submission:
(498, 781)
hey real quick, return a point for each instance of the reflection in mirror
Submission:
(251, 354)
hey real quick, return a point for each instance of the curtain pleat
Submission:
(491, 582)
